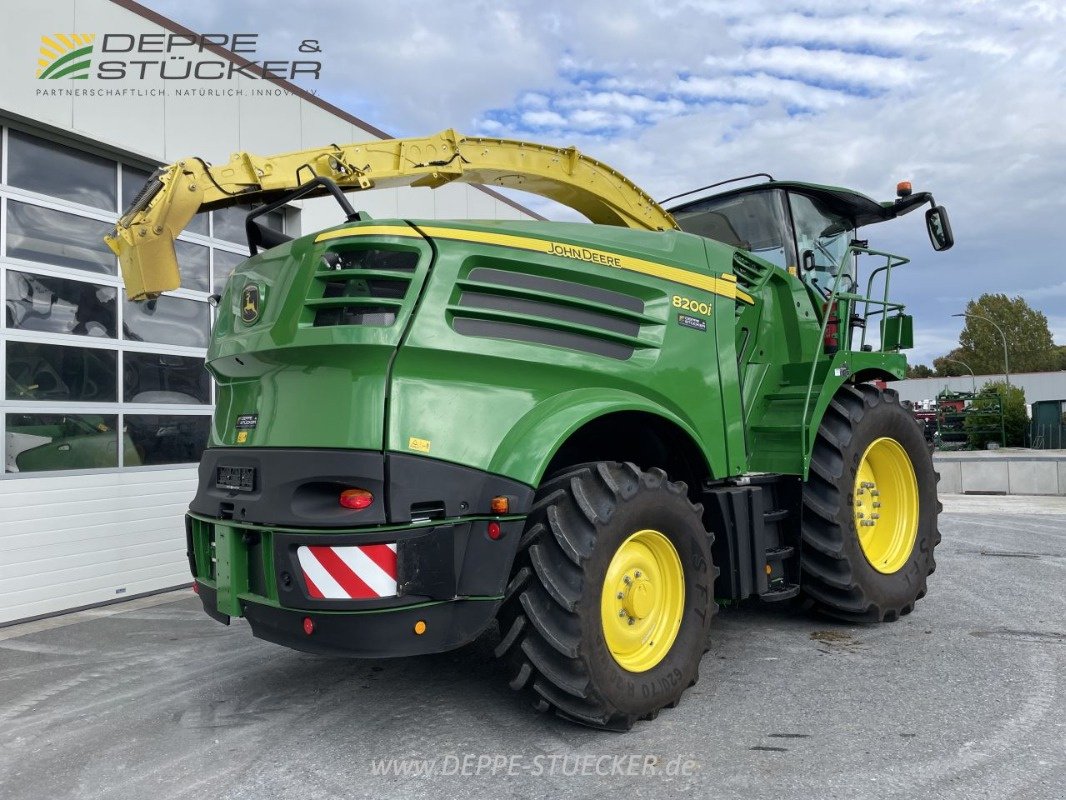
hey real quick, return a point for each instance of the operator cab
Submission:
(803, 228)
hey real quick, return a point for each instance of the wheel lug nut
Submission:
(636, 574)
(621, 612)
(631, 620)
(620, 595)
(627, 580)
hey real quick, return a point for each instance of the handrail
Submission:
(886, 306)
(891, 260)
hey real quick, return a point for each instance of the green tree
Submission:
(951, 365)
(1061, 349)
(1029, 342)
(984, 428)
(919, 371)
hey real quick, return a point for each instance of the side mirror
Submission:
(939, 227)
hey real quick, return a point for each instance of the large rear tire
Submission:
(870, 509)
(607, 613)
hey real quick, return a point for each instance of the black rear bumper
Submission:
(383, 634)
(256, 511)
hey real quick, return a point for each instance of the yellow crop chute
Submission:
(144, 237)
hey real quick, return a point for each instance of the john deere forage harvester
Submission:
(587, 433)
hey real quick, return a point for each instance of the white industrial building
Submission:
(106, 403)
(1038, 386)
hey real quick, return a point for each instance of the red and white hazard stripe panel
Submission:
(349, 573)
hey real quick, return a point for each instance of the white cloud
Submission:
(931, 342)
(964, 97)
(835, 67)
(543, 119)
(621, 101)
(1055, 290)
(594, 119)
(534, 100)
(759, 89)
(889, 33)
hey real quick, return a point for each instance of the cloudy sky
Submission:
(966, 98)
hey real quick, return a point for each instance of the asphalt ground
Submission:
(964, 698)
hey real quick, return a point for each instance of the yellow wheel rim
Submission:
(886, 505)
(643, 600)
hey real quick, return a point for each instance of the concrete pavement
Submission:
(964, 698)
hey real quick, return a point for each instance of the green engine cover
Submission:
(490, 344)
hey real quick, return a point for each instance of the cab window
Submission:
(823, 234)
(753, 221)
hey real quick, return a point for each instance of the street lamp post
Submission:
(1006, 364)
(973, 378)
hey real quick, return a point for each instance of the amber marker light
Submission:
(500, 505)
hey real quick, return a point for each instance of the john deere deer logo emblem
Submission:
(250, 303)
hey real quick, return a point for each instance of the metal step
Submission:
(775, 516)
(792, 393)
(789, 428)
(777, 594)
(780, 553)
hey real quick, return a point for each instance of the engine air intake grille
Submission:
(361, 286)
(503, 304)
(751, 274)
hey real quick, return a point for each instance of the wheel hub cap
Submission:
(643, 600)
(885, 501)
(640, 599)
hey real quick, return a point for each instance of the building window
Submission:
(163, 378)
(57, 238)
(225, 263)
(229, 223)
(93, 381)
(59, 305)
(47, 442)
(161, 439)
(167, 320)
(40, 166)
(51, 372)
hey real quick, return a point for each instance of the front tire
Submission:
(607, 614)
(870, 509)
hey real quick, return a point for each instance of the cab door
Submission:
(822, 237)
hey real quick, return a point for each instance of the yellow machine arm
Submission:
(144, 237)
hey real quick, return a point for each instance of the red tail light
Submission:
(309, 626)
(494, 531)
(356, 499)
